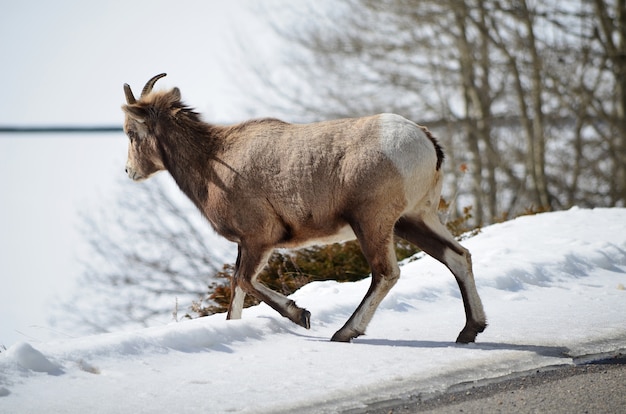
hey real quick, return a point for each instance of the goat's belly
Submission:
(345, 233)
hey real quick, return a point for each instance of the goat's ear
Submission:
(138, 113)
(175, 94)
(173, 99)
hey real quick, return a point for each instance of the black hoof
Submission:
(340, 338)
(466, 337)
(305, 319)
(297, 315)
(345, 335)
(469, 333)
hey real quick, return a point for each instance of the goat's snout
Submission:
(135, 175)
(132, 174)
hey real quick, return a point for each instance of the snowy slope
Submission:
(552, 285)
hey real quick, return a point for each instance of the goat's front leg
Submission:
(237, 294)
(250, 262)
(281, 304)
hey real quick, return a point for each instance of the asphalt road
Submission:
(597, 387)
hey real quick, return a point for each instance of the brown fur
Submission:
(265, 184)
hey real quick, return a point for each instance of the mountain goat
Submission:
(267, 184)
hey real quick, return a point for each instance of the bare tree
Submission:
(147, 258)
(504, 83)
(529, 99)
(609, 34)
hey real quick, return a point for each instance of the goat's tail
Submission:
(438, 149)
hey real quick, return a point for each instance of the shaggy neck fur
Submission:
(187, 145)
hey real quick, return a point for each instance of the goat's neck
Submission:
(187, 150)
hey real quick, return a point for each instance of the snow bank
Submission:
(552, 285)
(28, 358)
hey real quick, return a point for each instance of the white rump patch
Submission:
(406, 145)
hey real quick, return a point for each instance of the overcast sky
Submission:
(64, 63)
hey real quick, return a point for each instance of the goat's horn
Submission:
(150, 84)
(130, 98)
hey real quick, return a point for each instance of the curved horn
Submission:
(150, 84)
(130, 98)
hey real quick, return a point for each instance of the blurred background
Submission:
(528, 98)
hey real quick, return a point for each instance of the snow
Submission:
(552, 285)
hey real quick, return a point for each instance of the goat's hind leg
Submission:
(431, 236)
(381, 257)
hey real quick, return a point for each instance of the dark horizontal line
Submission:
(59, 129)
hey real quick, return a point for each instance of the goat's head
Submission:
(144, 156)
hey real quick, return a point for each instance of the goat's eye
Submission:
(132, 135)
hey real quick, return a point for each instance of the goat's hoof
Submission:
(466, 337)
(297, 315)
(469, 333)
(305, 319)
(345, 335)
